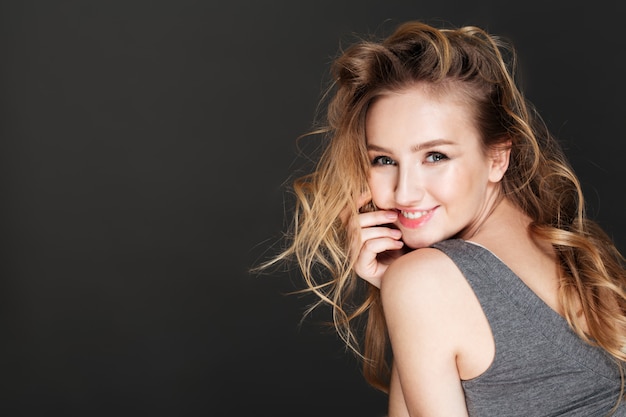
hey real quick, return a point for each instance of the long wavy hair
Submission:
(540, 180)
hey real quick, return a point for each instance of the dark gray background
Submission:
(143, 149)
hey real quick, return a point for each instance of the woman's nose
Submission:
(409, 189)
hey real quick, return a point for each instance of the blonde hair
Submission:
(539, 180)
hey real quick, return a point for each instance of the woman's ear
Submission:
(499, 157)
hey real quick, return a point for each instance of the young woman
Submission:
(442, 194)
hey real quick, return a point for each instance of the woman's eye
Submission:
(383, 160)
(435, 157)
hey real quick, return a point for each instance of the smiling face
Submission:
(428, 164)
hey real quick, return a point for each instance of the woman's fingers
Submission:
(371, 234)
(377, 246)
(377, 218)
(369, 263)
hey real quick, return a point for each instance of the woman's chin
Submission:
(418, 244)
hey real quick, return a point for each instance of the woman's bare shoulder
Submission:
(423, 263)
(424, 272)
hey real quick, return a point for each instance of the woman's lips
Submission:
(413, 219)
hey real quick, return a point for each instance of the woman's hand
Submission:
(378, 244)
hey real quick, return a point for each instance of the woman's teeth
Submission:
(413, 214)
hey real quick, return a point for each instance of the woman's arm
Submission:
(397, 405)
(421, 293)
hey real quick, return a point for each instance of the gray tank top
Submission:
(541, 367)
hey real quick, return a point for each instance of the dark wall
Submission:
(143, 149)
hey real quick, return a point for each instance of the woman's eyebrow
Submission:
(376, 148)
(415, 148)
(431, 144)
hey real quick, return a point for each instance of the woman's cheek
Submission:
(381, 188)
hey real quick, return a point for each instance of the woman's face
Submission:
(427, 164)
